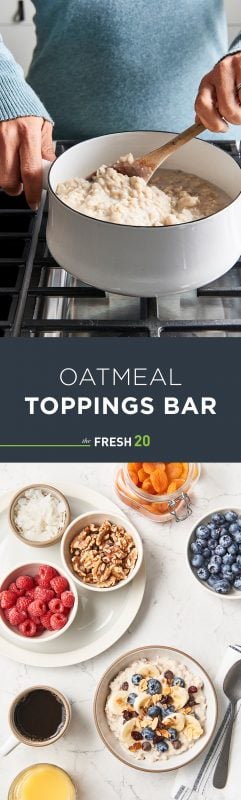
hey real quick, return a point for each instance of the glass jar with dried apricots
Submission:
(158, 490)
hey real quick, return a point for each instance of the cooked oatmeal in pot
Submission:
(172, 197)
(156, 709)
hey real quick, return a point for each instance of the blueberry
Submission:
(196, 547)
(228, 558)
(222, 586)
(197, 561)
(211, 545)
(148, 733)
(225, 540)
(213, 567)
(211, 526)
(239, 521)
(202, 531)
(216, 559)
(238, 559)
(131, 698)
(203, 573)
(220, 551)
(206, 553)
(218, 518)
(237, 536)
(166, 711)
(178, 682)
(237, 584)
(231, 516)
(236, 569)
(153, 686)
(154, 711)
(172, 733)
(233, 549)
(213, 580)
(162, 746)
(233, 528)
(136, 679)
(215, 533)
(227, 573)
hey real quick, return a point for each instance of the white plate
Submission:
(98, 623)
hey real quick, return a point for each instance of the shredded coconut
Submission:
(39, 515)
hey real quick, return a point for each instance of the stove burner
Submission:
(39, 298)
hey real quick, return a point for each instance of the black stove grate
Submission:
(25, 266)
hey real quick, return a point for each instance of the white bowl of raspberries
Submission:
(37, 602)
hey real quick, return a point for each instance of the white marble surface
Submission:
(175, 611)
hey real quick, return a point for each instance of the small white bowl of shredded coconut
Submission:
(39, 515)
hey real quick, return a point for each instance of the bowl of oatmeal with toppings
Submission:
(121, 235)
(101, 552)
(155, 708)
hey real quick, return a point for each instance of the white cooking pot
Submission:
(145, 261)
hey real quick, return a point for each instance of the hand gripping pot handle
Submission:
(9, 745)
(185, 509)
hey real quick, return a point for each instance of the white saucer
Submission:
(98, 623)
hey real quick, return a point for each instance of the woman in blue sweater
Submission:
(109, 65)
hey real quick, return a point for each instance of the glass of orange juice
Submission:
(42, 781)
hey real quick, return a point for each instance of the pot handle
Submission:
(45, 172)
(9, 745)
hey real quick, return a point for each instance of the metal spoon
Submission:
(145, 166)
(232, 689)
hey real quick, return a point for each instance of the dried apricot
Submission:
(147, 486)
(142, 475)
(174, 470)
(159, 481)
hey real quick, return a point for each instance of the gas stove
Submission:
(38, 298)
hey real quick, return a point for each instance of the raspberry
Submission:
(15, 616)
(57, 621)
(45, 621)
(59, 584)
(36, 609)
(7, 599)
(43, 594)
(27, 628)
(45, 574)
(7, 612)
(67, 598)
(23, 603)
(14, 588)
(24, 582)
(30, 594)
(56, 606)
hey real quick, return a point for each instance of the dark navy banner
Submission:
(120, 399)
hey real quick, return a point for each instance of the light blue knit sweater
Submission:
(110, 65)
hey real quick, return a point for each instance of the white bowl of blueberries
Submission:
(214, 552)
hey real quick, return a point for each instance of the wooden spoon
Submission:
(145, 166)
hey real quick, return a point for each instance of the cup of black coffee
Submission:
(38, 716)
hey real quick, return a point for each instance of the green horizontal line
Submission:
(45, 445)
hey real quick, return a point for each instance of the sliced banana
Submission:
(176, 721)
(142, 701)
(126, 731)
(179, 695)
(117, 702)
(148, 671)
(193, 729)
